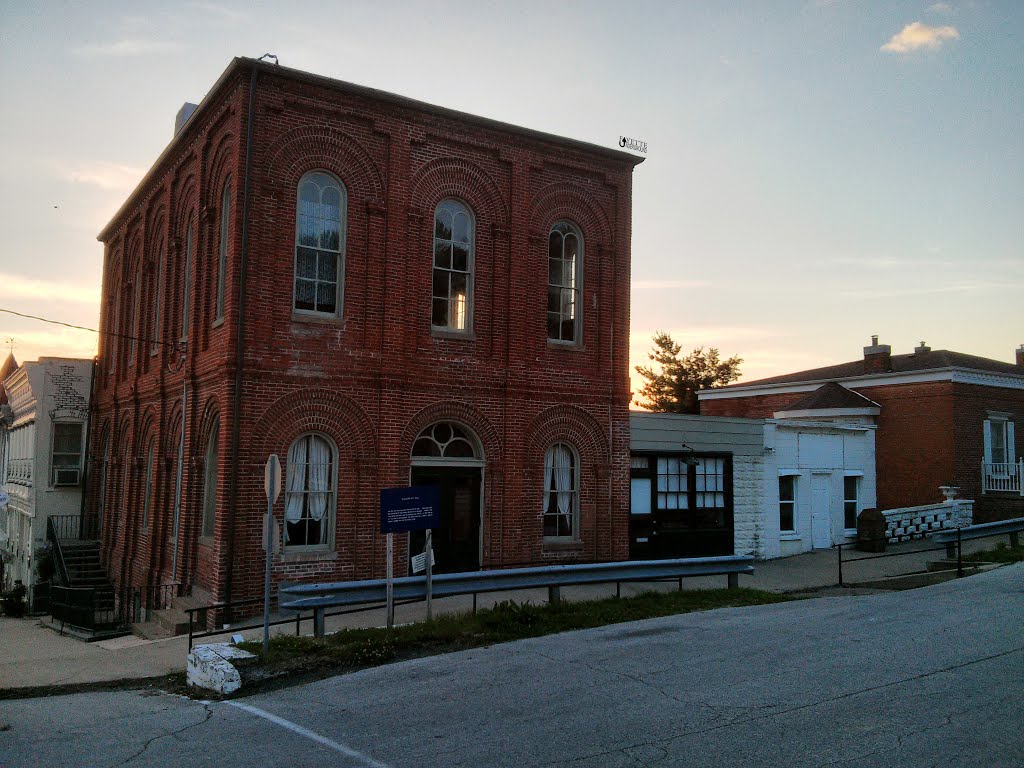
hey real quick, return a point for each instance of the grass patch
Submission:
(299, 659)
(1001, 554)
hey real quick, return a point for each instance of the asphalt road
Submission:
(931, 677)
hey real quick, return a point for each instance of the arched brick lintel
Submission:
(567, 201)
(309, 148)
(457, 177)
(317, 410)
(570, 424)
(457, 411)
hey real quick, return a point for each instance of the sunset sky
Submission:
(817, 171)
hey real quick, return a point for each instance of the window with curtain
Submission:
(452, 295)
(210, 482)
(561, 492)
(147, 499)
(222, 253)
(320, 244)
(186, 282)
(565, 258)
(309, 492)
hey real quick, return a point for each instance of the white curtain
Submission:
(560, 477)
(319, 477)
(296, 480)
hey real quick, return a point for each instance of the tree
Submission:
(672, 383)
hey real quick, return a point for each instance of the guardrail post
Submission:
(959, 554)
(1015, 539)
(839, 549)
(554, 595)
(318, 622)
(734, 580)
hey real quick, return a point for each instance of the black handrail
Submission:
(58, 553)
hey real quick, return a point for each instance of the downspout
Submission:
(236, 406)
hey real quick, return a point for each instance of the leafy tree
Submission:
(672, 383)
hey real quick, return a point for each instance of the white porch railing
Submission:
(1002, 477)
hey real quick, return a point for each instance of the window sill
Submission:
(444, 333)
(217, 323)
(206, 541)
(568, 346)
(790, 537)
(562, 545)
(301, 317)
(322, 556)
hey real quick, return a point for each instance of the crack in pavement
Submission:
(797, 708)
(209, 713)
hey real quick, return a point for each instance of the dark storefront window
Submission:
(680, 505)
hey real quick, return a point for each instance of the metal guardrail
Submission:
(319, 597)
(980, 531)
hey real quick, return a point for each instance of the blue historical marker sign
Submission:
(409, 509)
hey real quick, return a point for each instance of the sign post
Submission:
(272, 485)
(416, 508)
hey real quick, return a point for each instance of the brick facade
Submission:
(372, 378)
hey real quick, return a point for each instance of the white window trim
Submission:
(790, 534)
(328, 545)
(447, 330)
(53, 445)
(577, 491)
(860, 497)
(578, 329)
(339, 291)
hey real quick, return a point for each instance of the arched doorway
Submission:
(449, 455)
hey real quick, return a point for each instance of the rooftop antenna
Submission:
(266, 56)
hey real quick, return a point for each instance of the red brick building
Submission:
(943, 418)
(382, 292)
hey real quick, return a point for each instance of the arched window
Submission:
(147, 498)
(320, 222)
(222, 254)
(210, 482)
(186, 281)
(104, 472)
(561, 492)
(133, 332)
(565, 260)
(445, 440)
(452, 307)
(309, 497)
(158, 297)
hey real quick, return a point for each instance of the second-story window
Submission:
(320, 245)
(136, 302)
(452, 304)
(186, 283)
(222, 255)
(158, 297)
(565, 257)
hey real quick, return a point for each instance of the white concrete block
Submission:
(209, 666)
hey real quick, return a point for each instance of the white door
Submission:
(821, 514)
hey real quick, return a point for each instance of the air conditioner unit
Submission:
(66, 476)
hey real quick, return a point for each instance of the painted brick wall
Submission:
(750, 507)
(373, 378)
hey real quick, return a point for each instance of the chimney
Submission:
(183, 115)
(1020, 356)
(920, 350)
(877, 357)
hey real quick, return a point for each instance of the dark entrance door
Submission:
(457, 541)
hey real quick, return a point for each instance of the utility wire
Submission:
(91, 330)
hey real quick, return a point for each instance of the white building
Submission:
(42, 457)
(706, 485)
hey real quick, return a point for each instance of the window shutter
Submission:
(1011, 447)
(988, 441)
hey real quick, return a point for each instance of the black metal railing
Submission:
(75, 527)
(60, 567)
(88, 608)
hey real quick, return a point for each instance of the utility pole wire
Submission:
(91, 330)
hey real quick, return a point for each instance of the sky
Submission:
(817, 171)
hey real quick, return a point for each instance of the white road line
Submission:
(363, 759)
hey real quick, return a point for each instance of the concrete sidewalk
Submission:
(33, 655)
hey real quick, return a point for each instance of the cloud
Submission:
(653, 285)
(21, 287)
(967, 288)
(915, 36)
(945, 9)
(223, 13)
(128, 47)
(108, 176)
